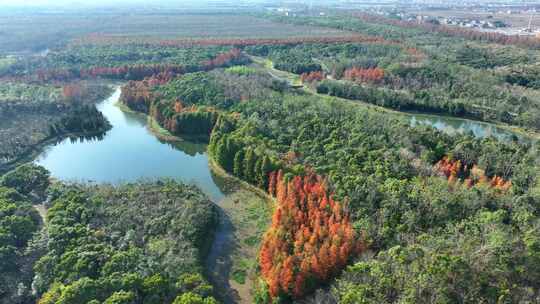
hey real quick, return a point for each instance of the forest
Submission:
(134, 243)
(398, 184)
(455, 75)
(365, 206)
(33, 114)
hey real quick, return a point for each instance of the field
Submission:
(18, 34)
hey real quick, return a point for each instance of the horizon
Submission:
(180, 3)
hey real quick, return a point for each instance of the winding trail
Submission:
(448, 124)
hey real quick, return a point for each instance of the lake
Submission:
(129, 152)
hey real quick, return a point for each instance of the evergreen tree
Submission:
(238, 163)
(266, 168)
(249, 165)
(257, 176)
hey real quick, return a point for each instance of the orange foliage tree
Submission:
(73, 92)
(453, 170)
(137, 95)
(311, 237)
(364, 75)
(312, 76)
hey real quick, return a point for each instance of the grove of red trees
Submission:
(108, 39)
(137, 94)
(73, 92)
(453, 170)
(364, 75)
(140, 71)
(312, 76)
(224, 59)
(124, 72)
(311, 238)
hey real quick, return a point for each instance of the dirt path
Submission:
(294, 81)
(42, 211)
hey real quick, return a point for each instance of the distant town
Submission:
(510, 17)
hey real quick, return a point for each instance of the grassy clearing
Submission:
(248, 210)
(268, 65)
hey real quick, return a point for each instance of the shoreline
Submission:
(239, 283)
(216, 168)
(226, 252)
(533, 135)
(36, 149)
(153, 126)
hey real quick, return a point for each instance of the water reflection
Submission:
(128, 152)
(455, 126)
(85, 138)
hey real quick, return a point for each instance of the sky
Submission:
(82, 3)
(60, 2)
(89, 2)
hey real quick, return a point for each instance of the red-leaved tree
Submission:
(311, 238)
(364, 75)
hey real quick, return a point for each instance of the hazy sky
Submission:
(62, 2)
(92, 2)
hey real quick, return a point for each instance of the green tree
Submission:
(121, 297)
(27, 179)
(249, 165)
(193, 298)
(238, 170)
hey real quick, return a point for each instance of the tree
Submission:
(192, 298)
(121, 297)
(238, 169)
(308, 227)
(250, 159)
(27, 179)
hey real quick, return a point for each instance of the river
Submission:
(130, 152)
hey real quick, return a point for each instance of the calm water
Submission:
(454, 126)
(129, 152)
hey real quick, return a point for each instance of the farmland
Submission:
(58, 30)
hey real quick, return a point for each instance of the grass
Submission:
(268, 65)
(241, 70)
(249, 210)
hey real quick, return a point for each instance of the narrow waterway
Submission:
(130, 152)
(456, 126)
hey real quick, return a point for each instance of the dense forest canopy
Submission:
(142, 242)
(367, 208)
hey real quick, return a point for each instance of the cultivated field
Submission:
(18, 33)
